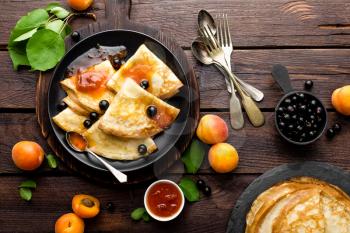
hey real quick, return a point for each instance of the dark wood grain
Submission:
(300, 23)
(263, 23)
(328, 68)
(310, 37)
(53, 197)
(269, 149)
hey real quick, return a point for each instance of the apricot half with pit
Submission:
(85, 206)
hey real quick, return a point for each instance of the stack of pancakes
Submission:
(300, 205)
(125, 124)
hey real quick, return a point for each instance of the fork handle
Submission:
(255, 116)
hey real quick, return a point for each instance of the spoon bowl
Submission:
(79, 144)
(206, 20)
(198, 50)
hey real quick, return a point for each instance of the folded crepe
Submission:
(301, 204)
(145, 65)
(88, 87)
(127, 114)
(68, 120)
(105, 145)
(116, 148)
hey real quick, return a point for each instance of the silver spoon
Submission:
(236, 115)
(206, 20)
(84, 148)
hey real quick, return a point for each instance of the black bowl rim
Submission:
(103, 169)
(320, 132)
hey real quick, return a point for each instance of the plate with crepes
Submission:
(126, 93)
(298, 197)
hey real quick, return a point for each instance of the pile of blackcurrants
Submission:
(300, 117)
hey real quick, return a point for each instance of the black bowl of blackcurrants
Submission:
(300, 117)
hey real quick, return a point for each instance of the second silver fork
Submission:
(223, 36)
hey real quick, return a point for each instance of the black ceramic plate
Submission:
(132, 40)
(322, 171)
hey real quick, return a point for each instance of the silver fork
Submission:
(225, 42)
(217, 54)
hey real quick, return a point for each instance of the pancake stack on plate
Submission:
(126, 124)
(300, 205)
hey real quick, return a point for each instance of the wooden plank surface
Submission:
(263, 23)
(329, 68)
(53, 197)
(253, 23)
(265, 154)
(310, 37)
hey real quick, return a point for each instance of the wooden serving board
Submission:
(117, 17)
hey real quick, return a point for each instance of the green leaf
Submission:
(45, 49)
(28, 184)
(66, 31)
(33, 19)
(25, 194)
(189, 189)
(26, 35)
(51, 161)
(52, 5)
(137, 214)
(193, 156)
(60, 12)
(18, 54)
(146, 217)
(55, 25)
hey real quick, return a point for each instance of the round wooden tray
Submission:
(117, 17)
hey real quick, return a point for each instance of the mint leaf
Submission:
(33, 19)
(28, 184)
(189, 189)
(66, 31)
(23, 30)
(45, 49)
(26, 35)
(25, 194)
(60, 12)
(55, 25)
(193, 156)
(138, 213)
(146, 217)
(18, 54)
(52, 5)
(51, 161)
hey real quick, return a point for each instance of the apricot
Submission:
(69, 223)
(212, 129)
(79, 5)
(223, 157)
(85, 206)
(341, 100)
(27, 155)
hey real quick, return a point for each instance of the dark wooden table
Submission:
(311, 38)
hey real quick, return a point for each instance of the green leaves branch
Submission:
(37, 40)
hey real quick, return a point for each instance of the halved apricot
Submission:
(85, 206)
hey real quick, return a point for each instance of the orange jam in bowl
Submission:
(164, 200)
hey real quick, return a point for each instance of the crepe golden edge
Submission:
(170, 82)
(266, 200)
(110, 120)
(87, 102)
(109, 145)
